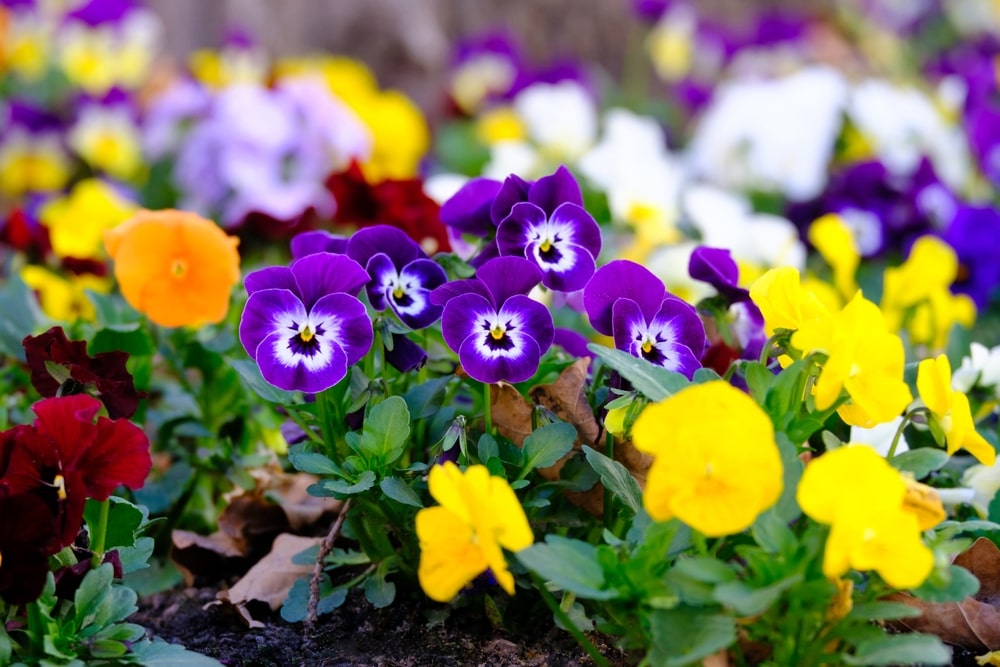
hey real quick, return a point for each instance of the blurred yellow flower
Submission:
(32, 163)
(855, 491)
(87, 56)
(175, 267)
(25, 44)
(716, 465)
(64, 298)
(950, 410)
(77, 221)
(107, 138)
(833, 239)
(783, 302)
(500, 124)
(923, 502)
(478, 516)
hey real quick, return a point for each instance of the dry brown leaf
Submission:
(271, 578)
(718, 659)
(567, 398)
(973, 623)
(205, 555)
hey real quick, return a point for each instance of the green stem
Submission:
(323, 414)
(568, 623)
(100, 534)
(487, 409)
(36, 629)
(301, 423)
(897, 436)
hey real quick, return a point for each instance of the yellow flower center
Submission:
(647, 346)
(546, 245)
(398, 292)
(306, 334)
(60, 483)
(178, 268)
(709, 470)
(497, 332)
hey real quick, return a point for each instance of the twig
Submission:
(317, 574)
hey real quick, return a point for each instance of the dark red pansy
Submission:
(65, 457)
(27, 538)
(105, 372)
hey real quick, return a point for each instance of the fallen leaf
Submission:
(206, 555)
(269, 581)
(973, 623)
(567, 398)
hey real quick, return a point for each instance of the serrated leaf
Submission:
(616, 478)
(544, 446)
(400, 491)
(345, 488)
(654, 382)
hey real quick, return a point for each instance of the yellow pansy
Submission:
(36, 163)
(783, 302)
(25, 45)
(923, 502)
(77, 221)
(855, 491)
(107, 138)
(218, 69)
(862, 358)
(500, 124)
(716, 464)
(833, 239)
(950, 410)
(87, 56)
(478, 516)
(401, 135)
(64, 298)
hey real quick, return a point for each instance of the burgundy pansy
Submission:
(105, 372)
(66, 457)
(27, 539)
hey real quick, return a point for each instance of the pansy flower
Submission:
(498, 331)
(304, 324)
(312, 242)
(105, 371)
(950, 412)
(717, 267)
(66, 457)
(27, 533)
(402, 276)
(626, 301)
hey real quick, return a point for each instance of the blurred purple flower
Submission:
(303, 324)
(498, 332)
(402, 275)
(625, 300)
(310, 243)
(975, 236)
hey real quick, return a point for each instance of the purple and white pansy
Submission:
(628, 302)
(402, 275)
(498, 332)
(304, 325)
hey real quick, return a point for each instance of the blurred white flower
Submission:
(880, 437)
(984, 481)
(981, 368)
(773, 135)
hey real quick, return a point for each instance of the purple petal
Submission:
(507, 276)
(683, 323)
(383, 278)
(464, 316)
(629, 326)
(445, 293)
(586, 231)
(659, 342)
(573, 342)
(325, 273)
(405, 355)
(391, 241)
(528, 317)
(716, 267)
(310, 243)
(488, 251)
(416, 281)
(514, 189)
(344, 321)
(566, 267)
(290, 370)
(266, 312)
(621, 279)
(488, 364)
(468, 210)
(525, 222)
(273, 277)
(550, 191)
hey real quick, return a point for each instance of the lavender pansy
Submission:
(716, 267)
(498, 331)
(402, 276)
(304, 324)
(626, 301)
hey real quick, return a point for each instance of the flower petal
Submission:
(566, 267)
(585, 230)
(390, 241)
(515, 232)
(621, 279)
(532, 318)
(267, 312)
(488, 363)
(383, 276)
(507, 276)
(513, 190)
(465, 316)
(310, 243)
(416, 281)
(286, 369)
(345, 322)
(325, 273)
(550, 191)
(468, 210)
(273, 277)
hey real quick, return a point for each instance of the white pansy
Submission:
(985, 481)
(561, 118)
(880, 437)
(669, 263)
(981, 368)
(774, 135)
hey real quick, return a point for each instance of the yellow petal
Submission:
(934, 384)
(449, 560)
(852, 475)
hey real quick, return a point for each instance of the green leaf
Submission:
(787, 508)
(387, 427)
(124, 520)
(400, 491)
(93, 588)
(759, 380)
(954, 585)
(569, 564)
(921, 462)
(772, 533)
(883, 611)
(686, 635)
(343, 488)
(425, 399)
(137, 342)
(113, 312)
(312, 462)
(487, 448)
(158, 653)
(654, 382)
(296, 604)
(615, 478)
(546, 445)
(704, 569)
(904, 649)
(248, 370)
(379, 592)
(21, 316)
(746, 600)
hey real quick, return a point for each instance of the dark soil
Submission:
(357, 634)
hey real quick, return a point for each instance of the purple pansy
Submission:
(717, 267)
(310, 243)
(975, 236)
(402, 276)
(304, 324)
(498, 332)
(626, 301)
